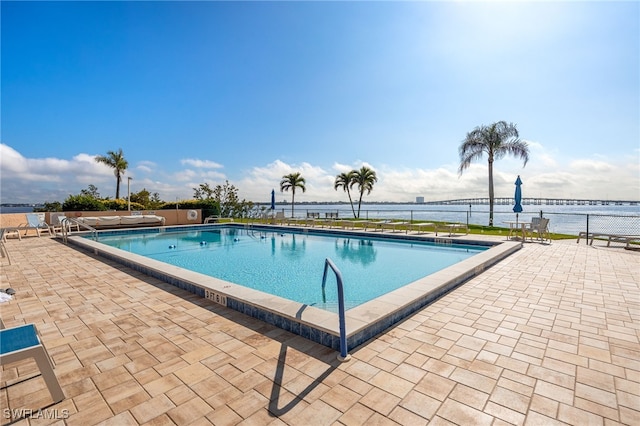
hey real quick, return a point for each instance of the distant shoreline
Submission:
(478, 201)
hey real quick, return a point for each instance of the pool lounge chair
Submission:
(23, 342)
(279, 218)
(311, 219)
(59, 220)
(330, 220)
(626, 239)
(418, 227)
(453, 227)
(375, 224)
(10, 230)
(37, 223)
(394, 226)
(3, 248)
(346, 223)
(212, 219)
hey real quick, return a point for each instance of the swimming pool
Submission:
(290, 264)
(363, 321)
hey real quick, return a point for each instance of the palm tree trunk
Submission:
(293, 198)
(360, 203)
(117, 186)
(351, 202)
(490, 192)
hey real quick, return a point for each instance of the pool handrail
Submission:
(66, 228)
(344, 356)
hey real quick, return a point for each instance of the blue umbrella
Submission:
(273, 199)
(518, 198)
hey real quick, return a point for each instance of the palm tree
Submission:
(364, 178)
(343, 180)
(496, 140)
(116, 161)
(292, 181)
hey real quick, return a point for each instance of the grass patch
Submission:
(497, 231)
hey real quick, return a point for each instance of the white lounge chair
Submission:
(10, 230)
(3, 249)
(213, 219)
(453, 227)
(419, 226)
(36, 222)
(279, 218)
(375, 224)
(395, 226)
(59, 220)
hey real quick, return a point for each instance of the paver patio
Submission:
(548, 336)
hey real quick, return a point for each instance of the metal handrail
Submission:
(66, 227)
(344, 356)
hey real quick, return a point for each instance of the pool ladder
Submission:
(66, 224)
(344, 356)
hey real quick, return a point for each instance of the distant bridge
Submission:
(537, 201)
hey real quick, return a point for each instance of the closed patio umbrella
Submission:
(273, 199)
(517, 208)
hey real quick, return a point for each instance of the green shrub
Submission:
(82, 203)
(121, 205)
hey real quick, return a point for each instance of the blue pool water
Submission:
(290, 264)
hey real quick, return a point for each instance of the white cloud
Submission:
(184, 175)
(544, 176)
(32, 180)
(12, 163)
(259, 181)
(146, 166)
(201, 164)
(207, 176)
(49, 179)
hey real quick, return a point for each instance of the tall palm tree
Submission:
(343, 180)
(364, 178)
(496, 140)
(116, 161)
(292, 181)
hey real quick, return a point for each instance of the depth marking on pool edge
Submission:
(215, 297)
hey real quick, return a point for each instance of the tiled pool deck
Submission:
(548, 336)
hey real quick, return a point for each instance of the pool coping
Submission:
(363, 322)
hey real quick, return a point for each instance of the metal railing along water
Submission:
(344, 356)
(563, 220)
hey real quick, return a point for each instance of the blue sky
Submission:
(197, 92)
